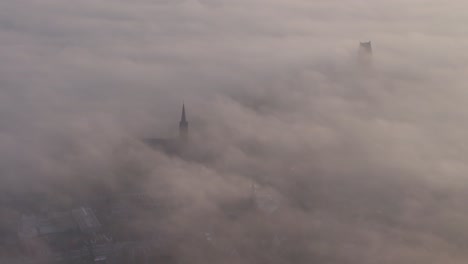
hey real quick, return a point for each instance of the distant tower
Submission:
(365, 48)
(183, 125)
(365, 53)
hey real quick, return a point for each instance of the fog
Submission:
(349, 164)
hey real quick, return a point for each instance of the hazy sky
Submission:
(365, 165)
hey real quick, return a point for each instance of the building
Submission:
(50, 234)
(77, 236)
(173, 146)
(365, 47)
(64, 236)
(365, 53)
(86, 220)
(183, 126)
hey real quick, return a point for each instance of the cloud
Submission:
(362, 166)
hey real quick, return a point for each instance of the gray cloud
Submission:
(364, 167)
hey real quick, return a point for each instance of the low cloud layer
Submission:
(351, 165)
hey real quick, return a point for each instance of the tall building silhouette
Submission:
(183, 126)
(365, 47)
(365, 54)
(176, 145)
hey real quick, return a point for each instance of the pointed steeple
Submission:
(183, 125)
(183, 118)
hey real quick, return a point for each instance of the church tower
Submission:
(183, 125)
(365, 54)
(365, 48)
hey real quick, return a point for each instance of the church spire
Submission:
(183, 125)
(183, 118)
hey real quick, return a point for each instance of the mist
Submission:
(343, 163)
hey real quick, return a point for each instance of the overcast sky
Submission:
(363, 165)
